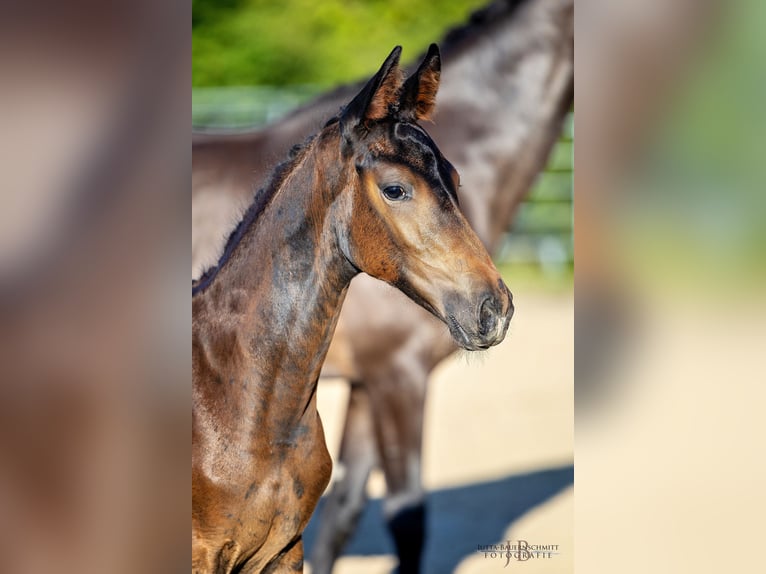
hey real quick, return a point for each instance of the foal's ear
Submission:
(378, 97)
(419, 92)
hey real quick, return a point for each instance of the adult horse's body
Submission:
(506, 87)
(371, 192)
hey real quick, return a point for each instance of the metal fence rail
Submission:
(541, 234)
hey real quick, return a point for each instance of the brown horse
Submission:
(506, 87)
(370, 193)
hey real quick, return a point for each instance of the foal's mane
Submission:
(260, 200)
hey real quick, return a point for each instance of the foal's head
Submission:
(405, 225)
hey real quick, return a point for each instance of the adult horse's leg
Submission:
(346, 500)
(398, 400)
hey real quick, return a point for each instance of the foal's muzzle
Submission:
(484, 325)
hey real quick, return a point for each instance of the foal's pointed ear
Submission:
(419, 92)
(378, 96)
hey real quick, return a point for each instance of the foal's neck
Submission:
(278, 295)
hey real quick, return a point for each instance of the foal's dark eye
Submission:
(394, 192)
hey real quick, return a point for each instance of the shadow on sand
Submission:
(459, 519)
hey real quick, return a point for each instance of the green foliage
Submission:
(251, 42)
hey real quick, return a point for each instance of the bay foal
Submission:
(370, 193)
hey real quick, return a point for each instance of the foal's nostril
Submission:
(507, 306)
(487, 317)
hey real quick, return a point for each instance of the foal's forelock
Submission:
(415, 150)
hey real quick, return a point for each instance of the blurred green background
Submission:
(259, 42)
(253, 61)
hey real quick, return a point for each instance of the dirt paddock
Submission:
(498, 461)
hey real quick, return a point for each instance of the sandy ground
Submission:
(498, 460)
